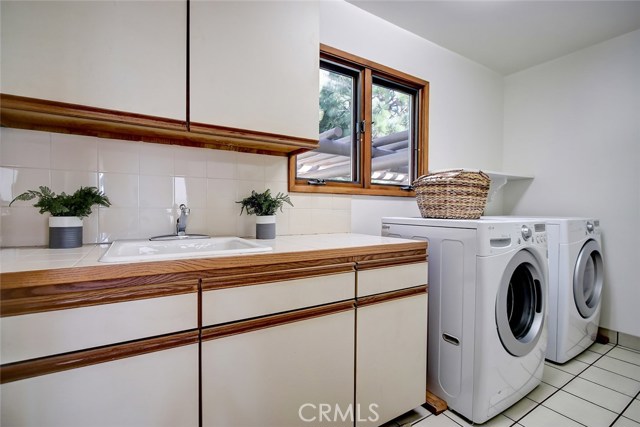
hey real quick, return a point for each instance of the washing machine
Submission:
(576, 276)
(487, 305)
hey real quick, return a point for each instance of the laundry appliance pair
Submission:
(576, 276)
(487, 309)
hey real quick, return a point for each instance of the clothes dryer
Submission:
(487, 303)
(576, 277)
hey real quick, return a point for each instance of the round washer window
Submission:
(520, 304)
(587, 279)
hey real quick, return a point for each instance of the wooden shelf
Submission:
(52, 116)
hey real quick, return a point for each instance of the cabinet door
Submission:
(254, 65)
(122, 55)
(391, 358)
(154, 389)
(281, 375)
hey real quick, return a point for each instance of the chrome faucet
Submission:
(181, 224)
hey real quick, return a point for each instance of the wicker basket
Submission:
(455, 194)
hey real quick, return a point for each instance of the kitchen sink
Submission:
(147, 250)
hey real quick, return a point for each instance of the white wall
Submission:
(574, 123)
(465, 123)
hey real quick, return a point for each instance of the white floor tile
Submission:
(436, 421)
(555, 377)
(588, 356)
(597, 394)
(620, 367)
(626, 355)
(412, 416)
(545, 417)
(574, 367)
(520, 409)
(497, 421)
(541, 392)
(600, 348)
(625, 422)
(610, 380)
(633, 411)
(580, 410)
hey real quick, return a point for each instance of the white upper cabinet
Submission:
(254, 66)
(121, 55)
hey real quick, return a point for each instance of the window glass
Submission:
(373, 130)
(391, 135)
(333, 160)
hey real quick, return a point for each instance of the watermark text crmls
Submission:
(331, 413)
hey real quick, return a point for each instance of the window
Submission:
(372, 130)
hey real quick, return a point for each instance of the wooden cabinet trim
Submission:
(269, 321)
(390, 296)
(224, 134)
(51, 364)
(52, 116)
(46, 290)
(249, 279)
(36, 299)
(390, 262)
(194, 268)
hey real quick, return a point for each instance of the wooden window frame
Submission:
(365, 186)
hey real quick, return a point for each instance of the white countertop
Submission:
(40, 258)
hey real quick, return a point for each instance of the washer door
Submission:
(587, 279)
(520, 305)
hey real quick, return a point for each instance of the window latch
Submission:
(316, 182)
(407, 188)
(361, 126)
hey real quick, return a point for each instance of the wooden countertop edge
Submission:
(118, 271)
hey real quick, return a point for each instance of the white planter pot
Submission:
(65, 232)
(266, 227)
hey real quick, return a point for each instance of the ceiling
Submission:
(510, 35)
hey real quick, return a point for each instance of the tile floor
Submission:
(599, 388)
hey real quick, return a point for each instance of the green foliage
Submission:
(391, 109)
(263, 203)
(77, 204)
(336, 102)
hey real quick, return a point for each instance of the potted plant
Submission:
(67, 211)
(264, 206)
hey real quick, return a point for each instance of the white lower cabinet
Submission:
(153, 389)
(391, 358)
(297, 373)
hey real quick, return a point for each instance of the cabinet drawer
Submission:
(391, 366)
(243, 302)
(387, 279)
(157, 389)
(279, 375)
(53, 332)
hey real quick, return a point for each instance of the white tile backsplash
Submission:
(122, 189)
(156, 191)
(118, 156)
(190, 191)
(156, 159)
(69, 181)
(222, 164)
(190, 162)
(146, 183)
(250, 167)
(74, 152)
(25, 148)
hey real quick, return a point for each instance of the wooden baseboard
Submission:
(434, 404)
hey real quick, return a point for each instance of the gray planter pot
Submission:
(266, 227)
(65, 232)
